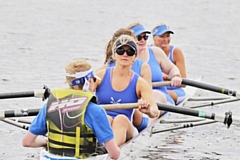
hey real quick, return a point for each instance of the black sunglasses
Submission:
(145, 37)
(121, 51)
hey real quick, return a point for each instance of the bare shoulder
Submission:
(145, 65)
(100, 72)
(159, 54)
(158, 51)
(178, 53)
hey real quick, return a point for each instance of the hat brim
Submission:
(126, 45)
(166, 31)
(142, 31)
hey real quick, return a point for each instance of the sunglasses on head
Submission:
(121, 51)
(145, 37)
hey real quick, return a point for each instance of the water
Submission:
(38, 38)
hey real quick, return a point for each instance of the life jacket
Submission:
(68, 134)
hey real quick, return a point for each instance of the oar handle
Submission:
(210, 87)
(120, 106)
(159, 84)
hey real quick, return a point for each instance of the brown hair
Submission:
(116, 35)
(76, 66)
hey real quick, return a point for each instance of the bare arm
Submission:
(146, 73)
(100, 74)
(144, 91)
(167, 66)
(113, 149)
(180, 61)
(32, 140)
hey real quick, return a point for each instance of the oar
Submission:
(208, 98)
(204, 122)
(18, 113)
(159, 84)
(21, 120)
(226, 118)
(23, 126)
(210, 87)
(44, 94)
(232, 99)
(181, 120)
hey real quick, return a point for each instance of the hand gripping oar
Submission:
(210, 87)
(226, 118)
(44, 94)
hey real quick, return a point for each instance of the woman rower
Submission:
(157, 61)
(119, 84)
(140, 121)
(162, 38)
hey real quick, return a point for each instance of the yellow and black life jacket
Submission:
(68, 135)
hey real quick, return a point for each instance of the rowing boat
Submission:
(133, 144)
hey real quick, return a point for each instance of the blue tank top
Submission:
(157, 74)
(170, 56)
(136, 67)
(107, 95)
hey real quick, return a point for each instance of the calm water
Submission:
(38, 38)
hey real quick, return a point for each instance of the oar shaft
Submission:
(215, 103)
(202, 114)
(210, 87)
(23, 126)
(18, 113)
(187, 125)
(187, 111)
(17, 95)
(161, 106)
(34, 112)
(35, 93)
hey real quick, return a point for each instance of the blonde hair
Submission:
(159, 24)
(123, 39)
(117, 34)
(76, 66)
(133, 25)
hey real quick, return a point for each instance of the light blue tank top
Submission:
(170, 56)
(107, 95)
(157, 74)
